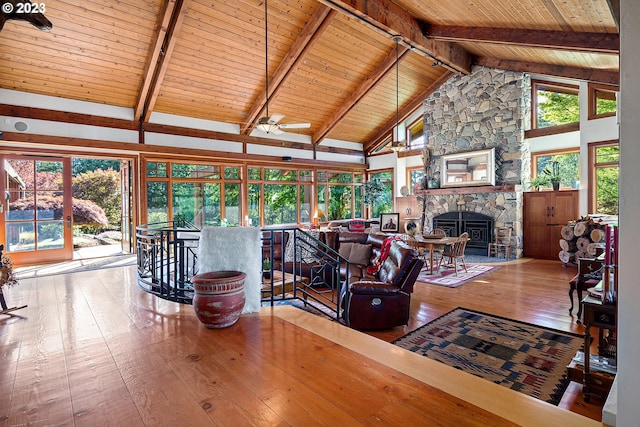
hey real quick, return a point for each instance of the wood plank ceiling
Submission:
(331, 62)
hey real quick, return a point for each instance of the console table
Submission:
(601, 316)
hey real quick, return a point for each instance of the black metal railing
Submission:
(303, 270)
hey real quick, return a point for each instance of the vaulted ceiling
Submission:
(330, 62)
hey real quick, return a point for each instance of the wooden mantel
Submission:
(468, 190)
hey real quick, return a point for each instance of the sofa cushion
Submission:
(355, 253)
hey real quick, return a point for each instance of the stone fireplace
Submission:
(485, 109)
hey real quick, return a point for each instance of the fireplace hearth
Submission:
(479, 227)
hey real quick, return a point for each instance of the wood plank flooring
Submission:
(93, 349)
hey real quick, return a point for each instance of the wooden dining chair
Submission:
(415, 245)
(455, 253)
(501, 242)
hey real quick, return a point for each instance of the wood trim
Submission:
(59, 142)
(586, 74)
(310, 34)
(563, 40)
(363, 88)
(469, 190)
(390, 19)
(177, 18)
(154, 59)
(66, 117)
(552, 130)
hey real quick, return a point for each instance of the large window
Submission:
(604, 159)
(385, 202)
(203, 194)
(554, 104)
(340, 194)
(568, 162)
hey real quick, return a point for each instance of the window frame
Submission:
(547, 153)
(594, 88)
(593, 166)
(409, 181)
(550, 87)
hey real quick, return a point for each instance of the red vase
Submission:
(219, 297)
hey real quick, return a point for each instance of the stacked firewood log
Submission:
(583, 238)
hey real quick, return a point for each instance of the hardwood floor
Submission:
(93, 349)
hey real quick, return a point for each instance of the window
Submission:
(604, 159)
(554, 104)
(385, 146)
(285, 196)
(602, 101)
(416, 136)
(568, 161)
(385, 203)
(340, 194)
(415, 179)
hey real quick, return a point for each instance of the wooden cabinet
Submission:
(545, 212)
(407, 207)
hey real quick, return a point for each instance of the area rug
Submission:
(447, 276)
(523, 357)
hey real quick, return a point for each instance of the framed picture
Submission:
(389, 222)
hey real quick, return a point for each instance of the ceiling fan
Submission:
(269, 124)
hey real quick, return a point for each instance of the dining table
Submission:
(431, 241)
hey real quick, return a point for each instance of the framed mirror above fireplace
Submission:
(471, 168)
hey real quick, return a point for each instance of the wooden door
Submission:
(36, 214)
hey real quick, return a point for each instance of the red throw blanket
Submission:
(384, 253)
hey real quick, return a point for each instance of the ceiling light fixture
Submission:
(396, 144)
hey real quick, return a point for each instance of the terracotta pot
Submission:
(219, 297)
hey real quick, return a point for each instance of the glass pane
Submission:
(254, 204)
(254, 174)
(305, 203)
(605, 102)
(212, 205)
(280, 204)
(358, 203)
(157, 202)
(20, 236)
(340, 177)
(21, 174)
(232, 203)
(416, 177)
(568, 164)
(206, 171)
(50, 235)
(358, 177)
(383, 176)
(610, 154)
(557, 108)
(304, 175)
(20, 206)
(607, 190)
(49, 176)
(279, 175)
(322, 176)
(339, 202)
(322, 205)
(232, 172)
(48, 206)
(385, 204)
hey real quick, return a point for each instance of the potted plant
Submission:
(552, 172)
(266, 268)
(537, 182)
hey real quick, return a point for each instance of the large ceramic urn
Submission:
(219, 297)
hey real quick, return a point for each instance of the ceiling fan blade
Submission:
(275, 118)
(295, 125)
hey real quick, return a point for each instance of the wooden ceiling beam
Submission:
(154, 59)
(586, 74)
(163, 57)
(573, 41)
(390, 19)
(66, 117)
(310, 34)
(379, 137)
(363, 88)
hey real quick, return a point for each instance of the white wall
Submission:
(629, 284)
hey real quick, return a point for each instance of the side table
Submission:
(602, 316)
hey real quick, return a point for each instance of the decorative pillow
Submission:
(345, 250)
(360, 254)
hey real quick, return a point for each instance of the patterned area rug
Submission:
(521, 356)
(447, 276)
